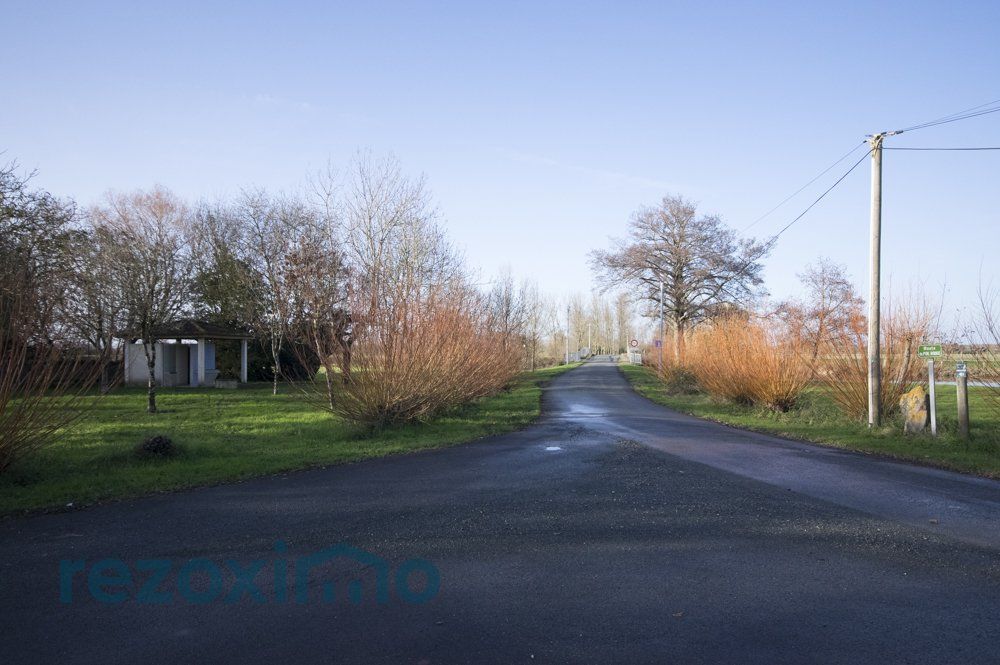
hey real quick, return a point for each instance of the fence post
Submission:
(962, 387)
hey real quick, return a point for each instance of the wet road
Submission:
(612, 531)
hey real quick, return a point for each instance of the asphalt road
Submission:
(613, 531)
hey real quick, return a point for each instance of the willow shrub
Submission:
(44, 385)
(748, 362)
(414, 357)
(843, 364)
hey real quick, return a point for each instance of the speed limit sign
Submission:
(634, 343)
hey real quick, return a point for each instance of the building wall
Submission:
(135, 364)
(210, 372)
(184, 364)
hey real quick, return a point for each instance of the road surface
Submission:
(613, 531)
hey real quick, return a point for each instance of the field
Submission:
(816, 419)
(225, 436)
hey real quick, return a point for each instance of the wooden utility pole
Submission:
(662, 341)
(567, 334)
(875, 250)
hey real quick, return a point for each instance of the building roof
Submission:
(195, 329)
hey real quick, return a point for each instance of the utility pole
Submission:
(589, 350)
(874, 313)
(662, 341)
(567, 334)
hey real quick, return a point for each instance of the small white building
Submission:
(185, 354)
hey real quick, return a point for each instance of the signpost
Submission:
(634, 357)
(930, 352)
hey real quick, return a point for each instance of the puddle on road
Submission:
(581, 411)
(584, 410)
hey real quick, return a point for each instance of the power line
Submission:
(799, 190)
(973, 112)
(766, 247)
(839, 180)
(957, 113)
(976, 148)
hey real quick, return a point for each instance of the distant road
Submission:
(613, 531)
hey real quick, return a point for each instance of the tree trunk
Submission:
(276, 355)
(330, 394)
(679, 342)
(151, 385)
(820, 332)
(103, 381)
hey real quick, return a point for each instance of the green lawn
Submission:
(231, 435)
(818, 420)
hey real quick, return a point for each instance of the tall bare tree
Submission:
(393, 238)
(426, 339)
(508, 309)
(271, 228)
(97, 304)
(702, 263)
(151, 260)
(623, 321)
(535, 318)
(826, 311)
(320, 323)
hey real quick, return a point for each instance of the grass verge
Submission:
(225, 436)
(817, 420)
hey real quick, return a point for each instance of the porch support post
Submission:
(201, 363)
(243, 361)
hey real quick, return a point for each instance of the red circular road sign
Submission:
(634, 343)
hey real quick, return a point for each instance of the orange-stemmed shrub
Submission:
(843, 365)
(746, 361)
(411, 358)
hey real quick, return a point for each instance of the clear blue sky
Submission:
(540, 126)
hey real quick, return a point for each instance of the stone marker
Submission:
(915, 409)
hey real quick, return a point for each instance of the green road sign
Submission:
(929, 351)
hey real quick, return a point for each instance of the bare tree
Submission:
(826, 312)
(151, 261)
(984, 341)
(623, 321)
(907, 319)
(97, 306)
(45, 375)
(535, 313)
(396, 302)
(270, 229)
(392, 234)
(508, 310)
(702, 263)
(321, 327)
